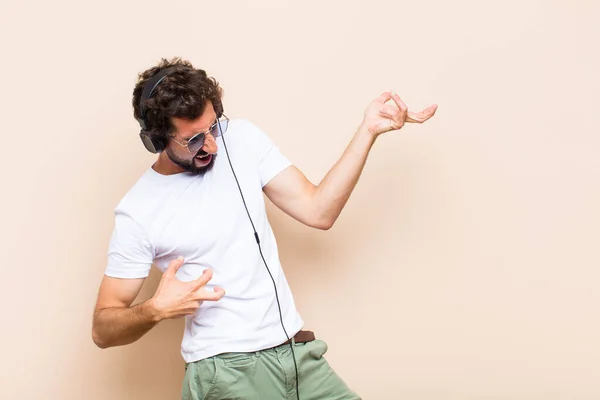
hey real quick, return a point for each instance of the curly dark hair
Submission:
(183, 94)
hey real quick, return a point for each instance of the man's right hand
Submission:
(175, 299)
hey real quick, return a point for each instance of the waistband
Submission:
(300, 337)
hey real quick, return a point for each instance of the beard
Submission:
(190, 165)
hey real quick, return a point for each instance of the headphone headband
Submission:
(147, 92)
(151, 142)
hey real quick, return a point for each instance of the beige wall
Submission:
(465, 265)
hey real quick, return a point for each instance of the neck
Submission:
(165, 166)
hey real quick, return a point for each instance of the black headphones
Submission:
(152, 143)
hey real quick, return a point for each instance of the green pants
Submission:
(266, 375)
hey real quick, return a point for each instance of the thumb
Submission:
(174, 266)
(384, 97)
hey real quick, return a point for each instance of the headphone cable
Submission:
(256, 237)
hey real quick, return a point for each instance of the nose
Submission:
(210, 144)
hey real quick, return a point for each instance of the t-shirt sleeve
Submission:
(268, 156)
(130, 252)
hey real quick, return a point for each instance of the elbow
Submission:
(98, 340)
(99, 343)
(96, 337)
(323, 224)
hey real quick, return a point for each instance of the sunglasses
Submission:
(196, 142)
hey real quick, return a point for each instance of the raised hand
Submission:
(380, 117)
(175, 299)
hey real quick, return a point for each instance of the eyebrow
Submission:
(194, 134)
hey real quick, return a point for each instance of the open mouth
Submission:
(203, 159)
(201, 155)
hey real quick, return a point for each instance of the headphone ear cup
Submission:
(151, 142)
(218, 106)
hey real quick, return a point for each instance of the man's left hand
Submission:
(381, 117)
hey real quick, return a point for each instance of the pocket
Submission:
(207, 376)
(317, 349)
(239, 360)
(237, 377)
(200, 379)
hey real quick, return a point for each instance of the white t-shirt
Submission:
(203, 219)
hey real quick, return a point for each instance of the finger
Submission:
(218, 293)
(205, 295)
(392, 112)
(384, 97)
(422, 116)
(203, 279)
(393, 118)
(387, 115)
(399, 103)
(174, 266)
(390, 109)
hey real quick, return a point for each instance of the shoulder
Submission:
(247, 132)
(140, 201)
(242, 127)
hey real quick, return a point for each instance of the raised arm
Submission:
(319, 206)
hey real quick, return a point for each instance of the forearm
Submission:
(333, 192)
(117, 326)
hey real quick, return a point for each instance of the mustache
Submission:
(201, 153)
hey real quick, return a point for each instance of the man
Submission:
(198, 214)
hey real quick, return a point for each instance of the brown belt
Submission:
(301, 337)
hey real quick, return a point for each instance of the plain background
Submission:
(465, 265)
